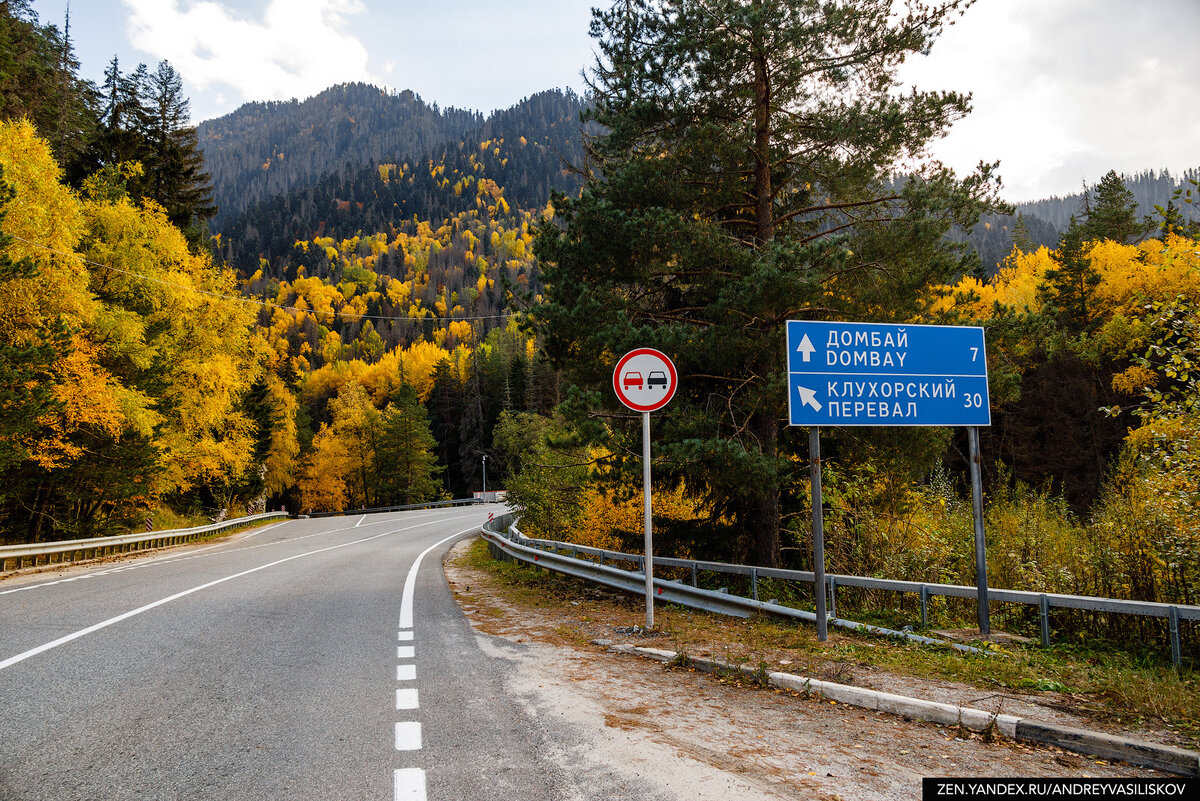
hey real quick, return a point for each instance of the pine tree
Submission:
(1021, 238)
(1069, 287)
(742, 179)
(1112, 214)
(124, 117)
(1173, 221)
(39, 79)
(175, 165)
(407, 461)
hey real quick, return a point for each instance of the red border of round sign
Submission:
(639, 352)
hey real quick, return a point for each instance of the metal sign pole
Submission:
(985, 625)
(649, 559)
(645, 380)
(818, 520)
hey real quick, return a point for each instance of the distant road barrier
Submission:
(504, 527)
(407, 508)
(72, 550)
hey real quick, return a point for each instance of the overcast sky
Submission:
(1064, 90)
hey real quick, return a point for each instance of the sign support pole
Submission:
(649, 558)
(985, 625)
(818, 521)
(645, 380)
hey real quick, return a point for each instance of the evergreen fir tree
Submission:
(175, 174)
(1070, 285)
(1112, 214)
(742, 179)
(406, 455)
(39, 79)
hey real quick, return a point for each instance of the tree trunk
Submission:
(764, 227)
(44, 492)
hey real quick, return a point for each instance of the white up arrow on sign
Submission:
(806, 348)
(808, 397)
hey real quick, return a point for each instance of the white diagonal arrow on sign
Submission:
(808, 397)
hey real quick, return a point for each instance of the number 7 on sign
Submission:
(974, 354)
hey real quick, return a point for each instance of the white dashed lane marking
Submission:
(409, 784)
(408, 736)
(406, 699)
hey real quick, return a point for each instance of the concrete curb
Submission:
(1092, 743)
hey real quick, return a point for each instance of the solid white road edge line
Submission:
(406, 602)
(12, 660)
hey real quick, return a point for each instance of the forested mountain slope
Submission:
(266, 149)
(1046, 219)
(524, 151)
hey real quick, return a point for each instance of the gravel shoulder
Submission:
(730, 738)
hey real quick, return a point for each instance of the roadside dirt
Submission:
(730, 739)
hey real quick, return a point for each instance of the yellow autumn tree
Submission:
(44, 224)
(322, 486)
(281, 463)
(174, 325)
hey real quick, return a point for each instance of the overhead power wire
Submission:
(256, 301)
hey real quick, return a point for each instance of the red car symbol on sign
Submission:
(633, 380)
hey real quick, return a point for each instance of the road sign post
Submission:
(818, 518)
(645, 381)
(881, 374)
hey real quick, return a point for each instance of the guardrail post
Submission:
(833, 597)
(1045, 605)
(1176, 646)
(924, 607)
(754, 582)
(695, 577)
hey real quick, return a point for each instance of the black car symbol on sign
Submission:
(657, 378)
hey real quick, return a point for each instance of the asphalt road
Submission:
(311, 659)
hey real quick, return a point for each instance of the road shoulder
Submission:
(784, 743)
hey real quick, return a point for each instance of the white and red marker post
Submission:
(645, 381)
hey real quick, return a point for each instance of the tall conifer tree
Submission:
(743, 178)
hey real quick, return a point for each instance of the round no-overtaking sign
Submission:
(645, 380)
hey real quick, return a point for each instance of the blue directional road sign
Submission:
(882, 374)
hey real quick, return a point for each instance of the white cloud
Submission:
(1065, 91)
(296, 49)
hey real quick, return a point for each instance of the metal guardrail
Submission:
(504, 536)
(66, 550)
(409, 507)
(1173, 613)
(71, 550)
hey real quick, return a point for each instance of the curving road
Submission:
(309, 659)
